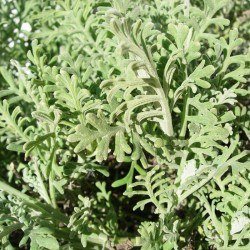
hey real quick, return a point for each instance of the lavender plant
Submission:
(128, 128)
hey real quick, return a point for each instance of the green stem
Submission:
(36, 205)
(41, 181)
(52, 177)
(184, 115)
(52, 189)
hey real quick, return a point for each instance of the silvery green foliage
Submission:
(157, 87)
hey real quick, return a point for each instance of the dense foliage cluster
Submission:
(125, 124)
